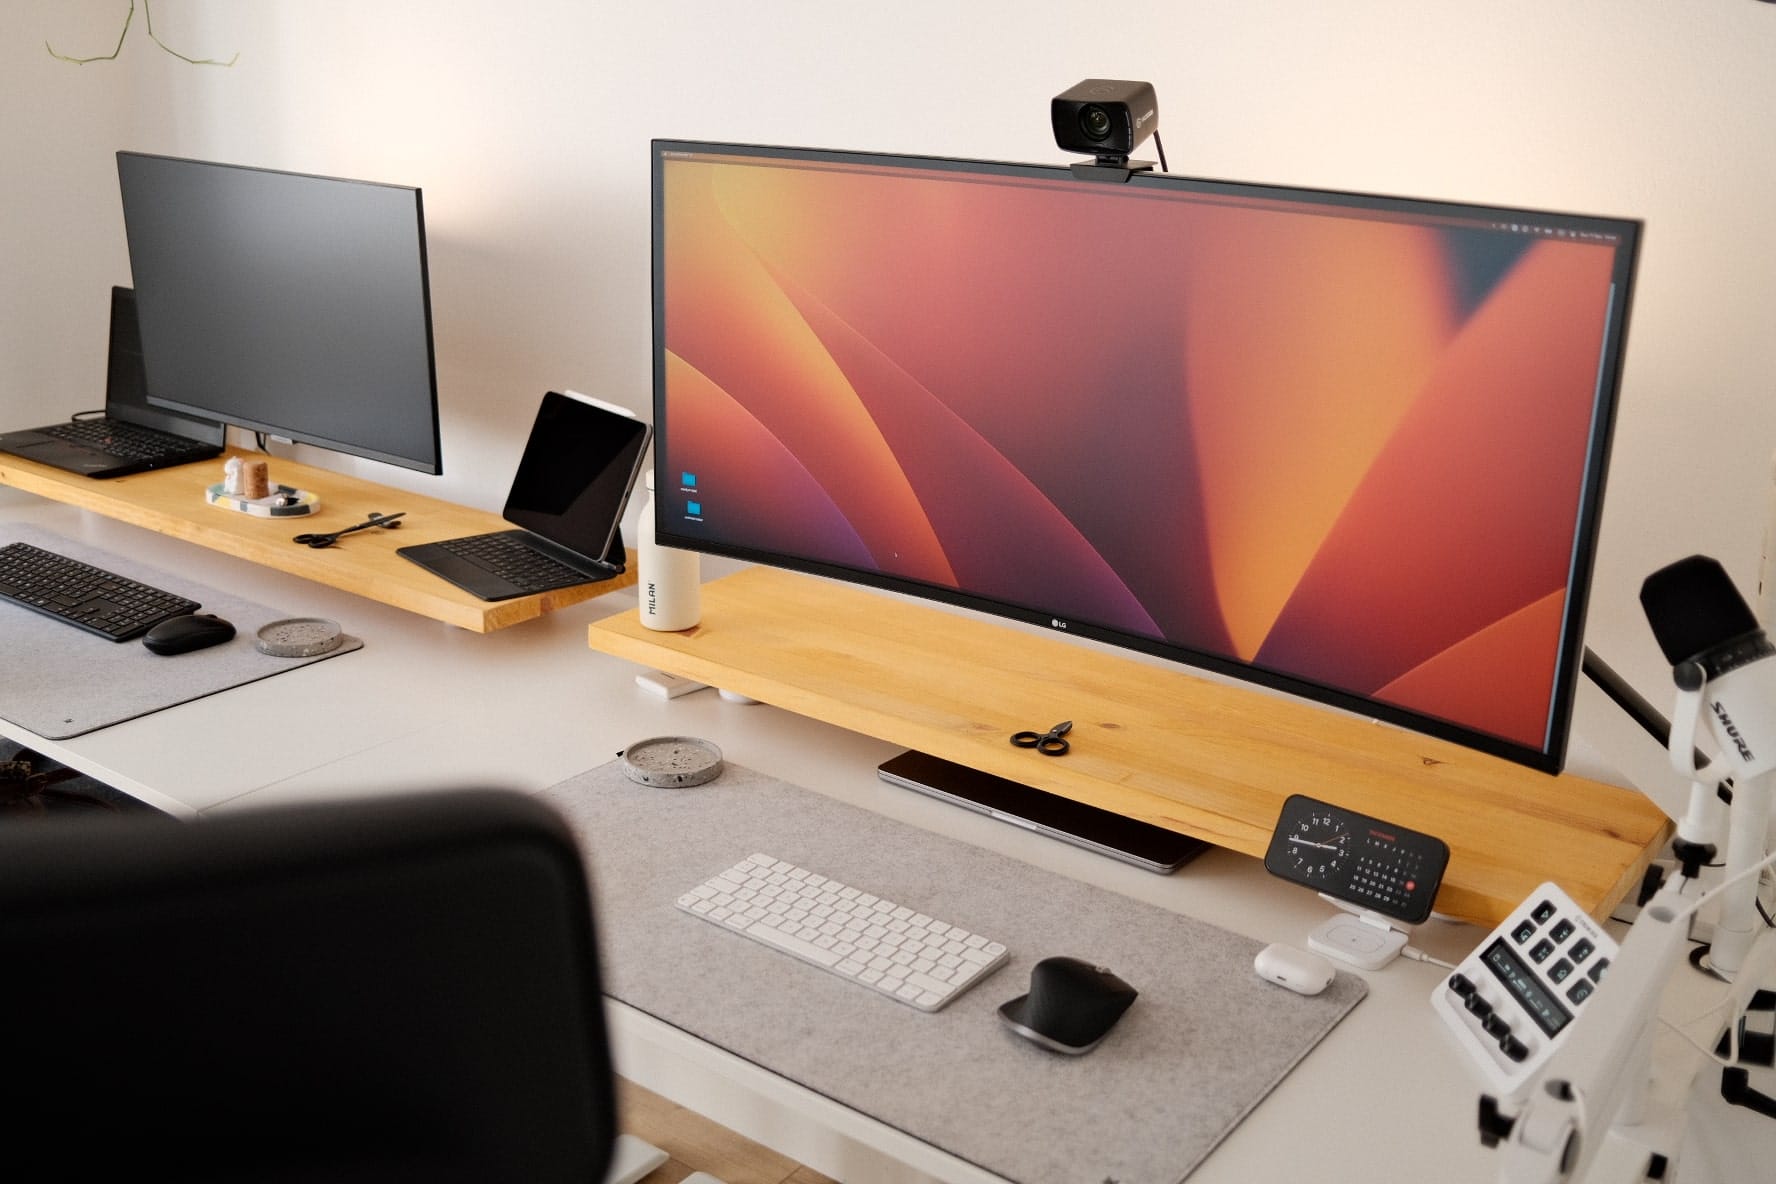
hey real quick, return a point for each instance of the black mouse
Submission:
(181, 635)
(1072, 1005)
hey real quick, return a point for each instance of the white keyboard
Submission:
(904, 954)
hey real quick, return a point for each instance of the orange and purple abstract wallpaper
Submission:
(1345, 448)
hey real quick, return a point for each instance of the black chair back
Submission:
(397, 989)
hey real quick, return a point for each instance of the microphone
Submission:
(1712, 640)
(1720, 661)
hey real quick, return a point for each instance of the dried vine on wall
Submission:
(148, 19)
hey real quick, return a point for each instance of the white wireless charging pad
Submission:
(1353, 940)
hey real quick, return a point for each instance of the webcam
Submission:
(1108, 119)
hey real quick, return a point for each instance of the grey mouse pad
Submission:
(1202, 1045)
(61, 681)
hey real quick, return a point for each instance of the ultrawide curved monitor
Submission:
(1345, 445)
(285, 303)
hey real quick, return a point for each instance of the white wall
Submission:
(527, 121)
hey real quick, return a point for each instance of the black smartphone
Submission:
(1352, 857)
(1129, 839)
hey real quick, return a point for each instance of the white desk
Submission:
(425, 705)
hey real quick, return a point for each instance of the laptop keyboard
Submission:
(511, 559)
(120, 439)
(84, 596)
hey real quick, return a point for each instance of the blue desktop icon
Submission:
(689, 480)
(693, 508)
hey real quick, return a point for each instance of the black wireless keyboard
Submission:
(84, 596)
(509, 558)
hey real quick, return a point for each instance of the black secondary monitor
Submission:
(1346, 445)
(286, 303)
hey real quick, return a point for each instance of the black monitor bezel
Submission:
(1549, 759)
(431, 462)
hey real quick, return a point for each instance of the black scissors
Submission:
(1048, 743)
(331, 537)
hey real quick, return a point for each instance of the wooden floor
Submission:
(699, 1145)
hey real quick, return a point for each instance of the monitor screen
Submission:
(1344, 445)
(285, 303)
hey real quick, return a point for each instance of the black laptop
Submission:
(130, 436)
(573, 483)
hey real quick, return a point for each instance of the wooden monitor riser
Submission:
(171, 501)
(1150, 740)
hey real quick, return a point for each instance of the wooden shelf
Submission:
(1153, 741)
(171, 501)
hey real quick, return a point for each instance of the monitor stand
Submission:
(1129, 839)
(1150, 740)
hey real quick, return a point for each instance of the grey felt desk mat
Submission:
(60, 681)
(1202, 1045)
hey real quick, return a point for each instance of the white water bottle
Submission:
(667, 578)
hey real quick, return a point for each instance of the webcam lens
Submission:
(1095, 122)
